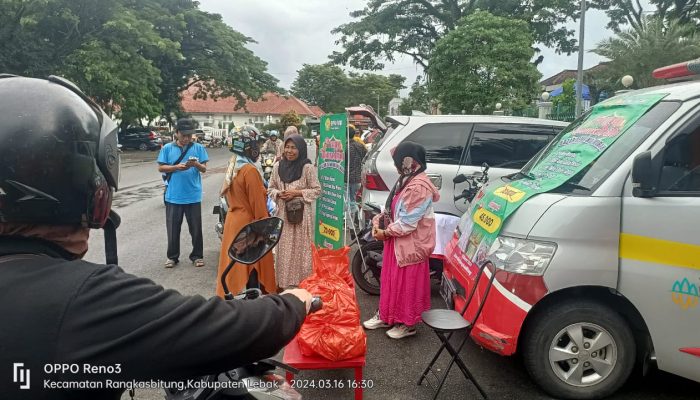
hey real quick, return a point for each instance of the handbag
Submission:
(294, 209)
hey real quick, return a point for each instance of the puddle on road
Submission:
(131, 196)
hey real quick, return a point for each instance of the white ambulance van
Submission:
(602, 273)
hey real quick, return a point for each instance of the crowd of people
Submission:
(407, 225)
(294, 180)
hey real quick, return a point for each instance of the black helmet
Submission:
(59, 163)
(245, 142)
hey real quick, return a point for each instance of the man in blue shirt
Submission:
(183, 193)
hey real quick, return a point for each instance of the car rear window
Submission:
(443, 142)
(507, 145)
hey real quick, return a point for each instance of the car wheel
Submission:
(579, 350)
(143, 147)
(367, 275)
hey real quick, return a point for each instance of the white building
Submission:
(222, 113)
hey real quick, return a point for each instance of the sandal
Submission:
(170, 263)
(198, 263)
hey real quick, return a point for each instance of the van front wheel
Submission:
(579, 350)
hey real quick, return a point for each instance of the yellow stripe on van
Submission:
(657, 251)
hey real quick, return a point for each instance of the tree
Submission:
(600, 85)
(98, 67)
(385, 29)
(324, 85)
(418, 99)
(655, 43)
(133, 57)
(290, 118)
(373, 89)
(626, 12)
(330, 88)
(485, 60)
(567, 98)
(214, 57)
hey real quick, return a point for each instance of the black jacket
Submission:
(57, 311)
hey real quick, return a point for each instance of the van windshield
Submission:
(592, 175)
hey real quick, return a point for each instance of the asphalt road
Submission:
(393, 367)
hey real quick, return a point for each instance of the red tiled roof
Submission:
(571, 74)
(559, 78)
(271, 103)
(318, 111)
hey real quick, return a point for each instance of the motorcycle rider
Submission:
(59, 167)
(273, 145)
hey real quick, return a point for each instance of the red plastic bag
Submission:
(334, 332)
(328, 262)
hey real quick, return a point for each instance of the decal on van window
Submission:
(685, 294)
(578, 147)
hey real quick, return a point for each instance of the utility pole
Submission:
(579, 75)
(377, 103)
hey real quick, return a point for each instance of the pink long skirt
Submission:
(405, 291)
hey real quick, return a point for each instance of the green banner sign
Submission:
(330, 224)
(578, 146)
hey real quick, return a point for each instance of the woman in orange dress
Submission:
(247, 200)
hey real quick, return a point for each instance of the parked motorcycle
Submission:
(215, 142)
(257, 380)
(221, 211)
(474, 181)
(366, 266)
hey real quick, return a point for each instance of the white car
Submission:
(456, 144)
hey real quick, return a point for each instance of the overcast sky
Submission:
(290, 33)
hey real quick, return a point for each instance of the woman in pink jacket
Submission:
(408, 228)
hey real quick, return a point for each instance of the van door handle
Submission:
(436, 179)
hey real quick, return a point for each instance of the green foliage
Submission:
(418, 99)
(626, 12)
(322, 85)
(290, 118)
(374, 90)
(567, 98)
(330, 88)
(386, 29)
(655, 43)
(600, 82)
(133, 57)
(484, 61)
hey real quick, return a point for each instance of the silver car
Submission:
(456, 144)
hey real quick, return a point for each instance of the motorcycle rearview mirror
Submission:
(251, 244)
(485, 167)
(255, 240)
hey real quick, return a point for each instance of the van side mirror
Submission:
(643, 176)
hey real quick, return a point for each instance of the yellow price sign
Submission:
(487, 220)
(509, 193)
(329, 231)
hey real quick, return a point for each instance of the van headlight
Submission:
(520, 256)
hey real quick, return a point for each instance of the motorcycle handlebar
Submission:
(464, 195)
(316, 304)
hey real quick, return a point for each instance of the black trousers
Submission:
(173, 223)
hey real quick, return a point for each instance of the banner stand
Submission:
(332, 173)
